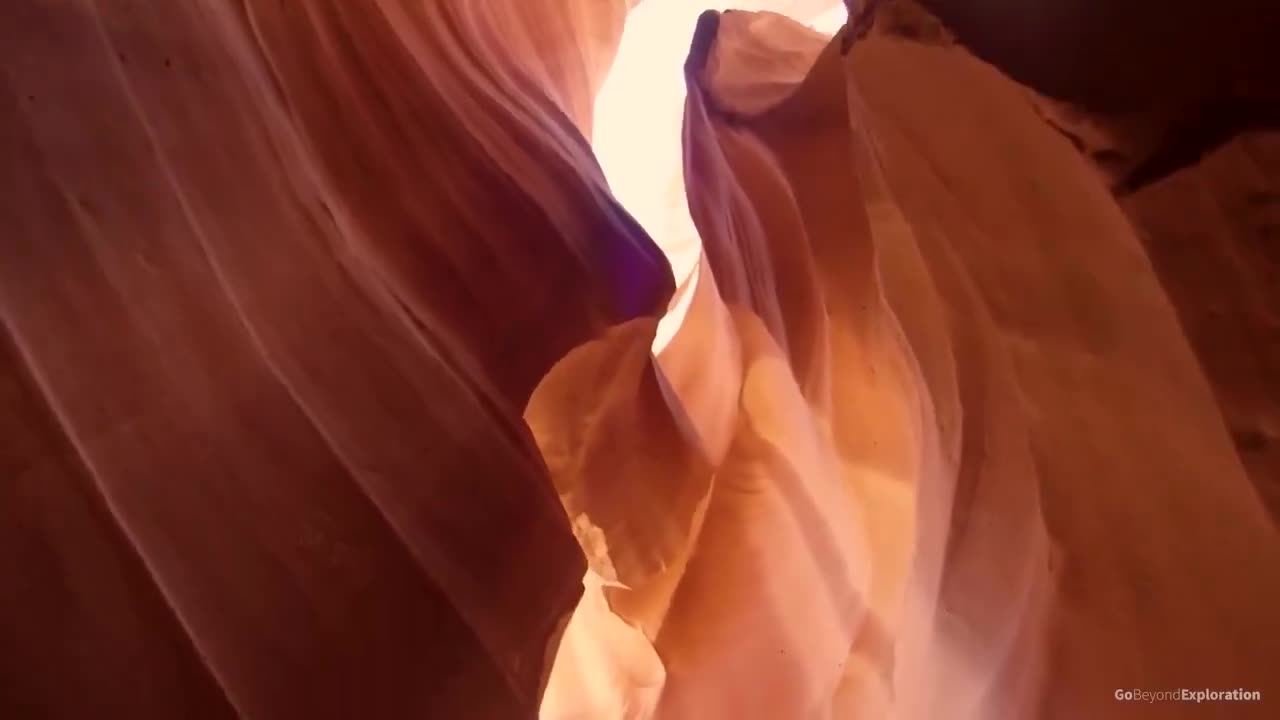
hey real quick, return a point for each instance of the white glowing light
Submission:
(638, 113)
(829, 22)
(604, 667)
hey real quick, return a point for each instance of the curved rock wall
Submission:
(332, 380)
(268, 348)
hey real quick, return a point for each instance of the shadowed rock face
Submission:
(1176, 107)
(277, 280)
(329, 384)
(1212, 232)
(1195, 174)
(1086, 363)
(1145, 88)
(1123, 55)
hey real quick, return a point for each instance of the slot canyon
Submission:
(639, 360)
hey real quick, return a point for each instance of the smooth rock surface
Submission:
(336, 381)
(266, 349)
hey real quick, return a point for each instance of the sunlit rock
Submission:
(617, 360)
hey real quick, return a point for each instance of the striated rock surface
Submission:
(1187, 150)
(266, 349)
(978, 357)
(336, 381)
(1141, 493)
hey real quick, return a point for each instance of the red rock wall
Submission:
(1212, 231)
(326, 371)
(268, 332)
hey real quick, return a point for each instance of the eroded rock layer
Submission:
(981, 359)
(335, 382)
(267, 347)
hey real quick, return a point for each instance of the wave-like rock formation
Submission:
(336, 381)
(278, 280)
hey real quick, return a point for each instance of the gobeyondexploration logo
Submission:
(1195, 695)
